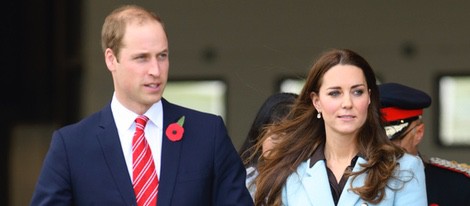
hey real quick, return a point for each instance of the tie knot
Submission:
(141, 121)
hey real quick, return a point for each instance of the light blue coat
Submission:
(310, 186)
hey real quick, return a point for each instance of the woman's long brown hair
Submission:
(301, 133)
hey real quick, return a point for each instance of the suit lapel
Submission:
(315, 181)
(109, 140)
(349, 197)
(170, 158)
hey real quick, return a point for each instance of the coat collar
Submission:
(348, 196)
(170, 158)
(316, 180)
(108, 138)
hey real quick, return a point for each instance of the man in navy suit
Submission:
(91, 163)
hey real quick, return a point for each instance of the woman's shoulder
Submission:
(408, 160)
(411, 163)
(251, 172)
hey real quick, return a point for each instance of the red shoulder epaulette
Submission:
(451, 165)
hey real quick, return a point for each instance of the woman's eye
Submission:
(334, 93)
(358, 92)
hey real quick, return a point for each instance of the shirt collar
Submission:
(126, 117)
(319, 154)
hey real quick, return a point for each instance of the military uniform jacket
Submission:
(447, 183)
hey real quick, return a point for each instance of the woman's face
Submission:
(343, 100)
(268, 144)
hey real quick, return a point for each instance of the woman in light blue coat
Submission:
(332, 149)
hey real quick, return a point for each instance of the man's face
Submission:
(140, 72)
(411, 138)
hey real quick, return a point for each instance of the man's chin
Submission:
(153, 100)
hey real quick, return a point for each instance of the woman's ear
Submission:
(315, 99)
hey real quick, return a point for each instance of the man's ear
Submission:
(110, 59)
(419, 134)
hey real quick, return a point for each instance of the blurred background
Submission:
(53, 71)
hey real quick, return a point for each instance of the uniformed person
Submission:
(447, 182)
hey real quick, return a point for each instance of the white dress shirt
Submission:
(125, 124)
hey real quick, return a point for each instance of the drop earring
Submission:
(319, 115)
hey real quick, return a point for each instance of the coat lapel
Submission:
(348, 197)
(108, 138)
(315, 181)
(170, 158)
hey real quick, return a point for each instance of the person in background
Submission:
(333, 150)
(141, 149)
(272, 111)
(447, 182)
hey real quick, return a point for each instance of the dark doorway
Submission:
(41, 69)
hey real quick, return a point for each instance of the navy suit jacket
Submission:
(85, 164)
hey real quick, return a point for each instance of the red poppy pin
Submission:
(175, 131)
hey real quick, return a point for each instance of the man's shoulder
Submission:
(168, 106)
(450, 167)
(447, 182)
(95, 119)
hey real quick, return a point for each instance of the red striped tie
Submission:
(145, 180)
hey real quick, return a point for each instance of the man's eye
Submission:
(163, 56)
(140, 57)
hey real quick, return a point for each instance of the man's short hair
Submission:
(114, 26)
